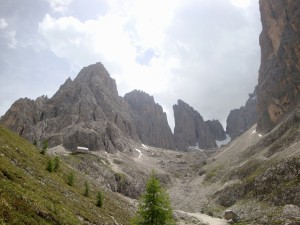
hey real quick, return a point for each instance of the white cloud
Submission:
(10, 37)
(241, 3)
(12, 41)
(117, 39)
(204, 52)
(59, 5)
(3, 23)
(84, 43)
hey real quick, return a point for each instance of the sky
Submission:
(205, 52)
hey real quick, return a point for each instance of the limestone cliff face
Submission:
(240, 120)
(191, 129)
(216, 129)
(279, 74)
(84, 112)
(150, 120)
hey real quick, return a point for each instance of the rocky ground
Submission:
(202, 185)
(180, 172)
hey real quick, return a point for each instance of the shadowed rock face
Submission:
(84, 112)
(216, 129)
(279, 74)
(191, 129)
(240, 120)
(150, 120)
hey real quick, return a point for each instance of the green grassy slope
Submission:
(29, 194)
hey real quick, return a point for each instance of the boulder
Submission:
(231, 216)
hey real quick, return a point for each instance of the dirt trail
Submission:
(204, 218)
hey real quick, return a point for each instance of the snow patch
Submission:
(144, 146)
(223, 142)
(195, 147)
(140, 153)
(255, 132)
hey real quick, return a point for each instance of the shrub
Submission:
(56, 163)
(86, 189)
(45, 145)
(71, 178)
(50, 166)
(99, 202)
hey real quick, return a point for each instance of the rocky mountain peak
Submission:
(240, 120)
(217, 129)
(89, 112)
(140, 101)
(84, 112)
(150, 120)
(139, 96)
(95, 77)
(192, 130)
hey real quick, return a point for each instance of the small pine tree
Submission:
(45, 145)
(154, 207)
(50, 166)
(86, 189)
(56, 163)
(99, 202)
(71, 178)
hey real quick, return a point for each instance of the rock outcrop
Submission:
(192, 130)
(240, 120)
(216, 129)
(279, 74)
(150, 120)
(84, 112)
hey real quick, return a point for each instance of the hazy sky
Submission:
(205, 52)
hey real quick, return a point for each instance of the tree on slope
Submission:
(154, 207)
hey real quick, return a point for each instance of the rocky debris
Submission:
(242, 119)
(192, 130)
(291, 211)
(279, 138)
(100, 169)
(85, 112)
(276, 183)
(150, 120)
(184, 218)
(230, 194)
(278, 82)
(231, 216)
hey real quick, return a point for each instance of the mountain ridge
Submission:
(89, 106)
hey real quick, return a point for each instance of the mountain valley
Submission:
(110, 144)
